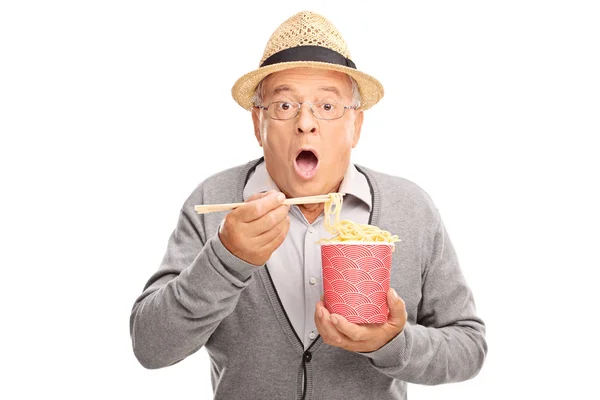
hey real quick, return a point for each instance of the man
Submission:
(247, 284)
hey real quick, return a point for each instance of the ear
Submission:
(256, 122)
(358, 121)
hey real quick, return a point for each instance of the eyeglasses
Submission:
(282, 110)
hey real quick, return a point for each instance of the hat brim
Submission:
(371, 90)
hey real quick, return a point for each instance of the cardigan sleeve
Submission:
(197, 285)
(447, 342)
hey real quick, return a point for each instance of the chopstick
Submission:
(208, 208)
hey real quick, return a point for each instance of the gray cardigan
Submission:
(202, 295)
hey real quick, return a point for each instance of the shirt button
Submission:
(311, 229)
(312, 335)
(312, 280)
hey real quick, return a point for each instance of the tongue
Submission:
(307, 161)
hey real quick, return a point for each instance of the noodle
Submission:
(346, 230)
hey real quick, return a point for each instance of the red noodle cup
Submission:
(356, 278)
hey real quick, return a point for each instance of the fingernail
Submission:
(396, 297)
(281, 197)
(320, 311)
(333, 319)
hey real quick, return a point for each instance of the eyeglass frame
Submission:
(299, 108)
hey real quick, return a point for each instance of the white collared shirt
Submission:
(295, 266)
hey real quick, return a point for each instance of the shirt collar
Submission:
(354, 183)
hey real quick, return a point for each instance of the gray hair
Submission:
(356, 99)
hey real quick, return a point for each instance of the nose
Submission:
(306, 121)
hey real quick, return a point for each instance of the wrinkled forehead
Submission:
(308, 82)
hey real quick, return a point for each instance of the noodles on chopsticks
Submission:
(349, 231)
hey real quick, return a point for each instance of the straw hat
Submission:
(309, 40)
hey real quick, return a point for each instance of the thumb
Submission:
(259, 195)
(397, 316)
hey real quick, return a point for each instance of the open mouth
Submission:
(306, 164)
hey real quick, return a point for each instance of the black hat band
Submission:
(309, 53)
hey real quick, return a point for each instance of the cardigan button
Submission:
(307, 356)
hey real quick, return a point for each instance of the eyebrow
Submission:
(332, 89)
(285, 88)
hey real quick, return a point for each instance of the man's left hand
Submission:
(337, 331)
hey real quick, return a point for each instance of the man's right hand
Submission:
(254, 230)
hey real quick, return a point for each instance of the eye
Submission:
(327, 107)
(283, 106)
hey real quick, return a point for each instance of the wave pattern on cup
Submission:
(356, 278)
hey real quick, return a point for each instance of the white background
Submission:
(112, 112)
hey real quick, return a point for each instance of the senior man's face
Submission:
(305, 155)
